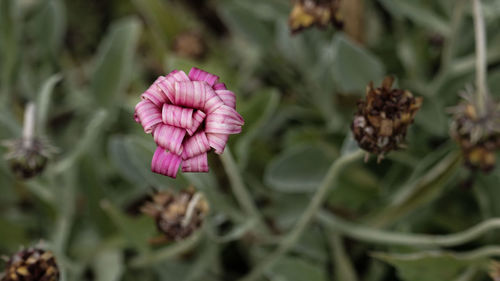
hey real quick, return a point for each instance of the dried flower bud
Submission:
(29, 155)
(31, 265)
(381, 122)
(190, 44)
(28, 158)
(478, 136)
(177, 215)
(306, 13)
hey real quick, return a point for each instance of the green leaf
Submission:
(354, 67)
(90, 135)
(420, 191)
(286, 209)
(432, 117)
(258, 111)
(43, 101)
(165, 20)
(137, 231)
(415, 11)
(12, 234)
(50, 26)
(299, 169)
(132, 158)
(114, 61)
(431, 266)
(10, 26)
(12, 126)
(296, 269)
(247, 25)
(108, 265)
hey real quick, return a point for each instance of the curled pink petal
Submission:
(177, 116)
(217, 142)
(198, 118)
(165, 163)
(154, 94)
(195, 145)
(169, 137)
(224, 120)
(148, 114)
(227, 97)
(226, 114)
(196, 74)
(167, 83)
(196, 164)
(219, 86)
(212, 100)
(218, 128)
(190, 94)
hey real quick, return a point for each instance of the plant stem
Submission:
(240, 191)
(29, 124)
(67, 196)
(342, 265)
(167, 253)
(481, 66)
(469, 274)
(293, 236)
(449, 48)
(377, 236)
(480, 253)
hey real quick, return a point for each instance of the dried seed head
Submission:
(177, 215)
(478, 136)
(381, 122)
(28, 158)
(306, 13)
(31, 265)
(190, 44)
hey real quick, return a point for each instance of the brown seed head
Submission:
(32, 265)
(177, 215)
(306, 13)
(381, 122)
(478, 136)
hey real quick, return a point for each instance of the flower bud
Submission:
(177, 215)
(28, 155)
(381, 122)
(31, 265)
(26, 158)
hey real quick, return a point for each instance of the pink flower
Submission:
(187, 115)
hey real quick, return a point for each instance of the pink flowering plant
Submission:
(187, 115)
(87, 194)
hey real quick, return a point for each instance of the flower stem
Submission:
(481, 67)
(293, 236)
(377, 236)
(238, 186)
(29, 124)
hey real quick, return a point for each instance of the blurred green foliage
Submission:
(85, 63)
